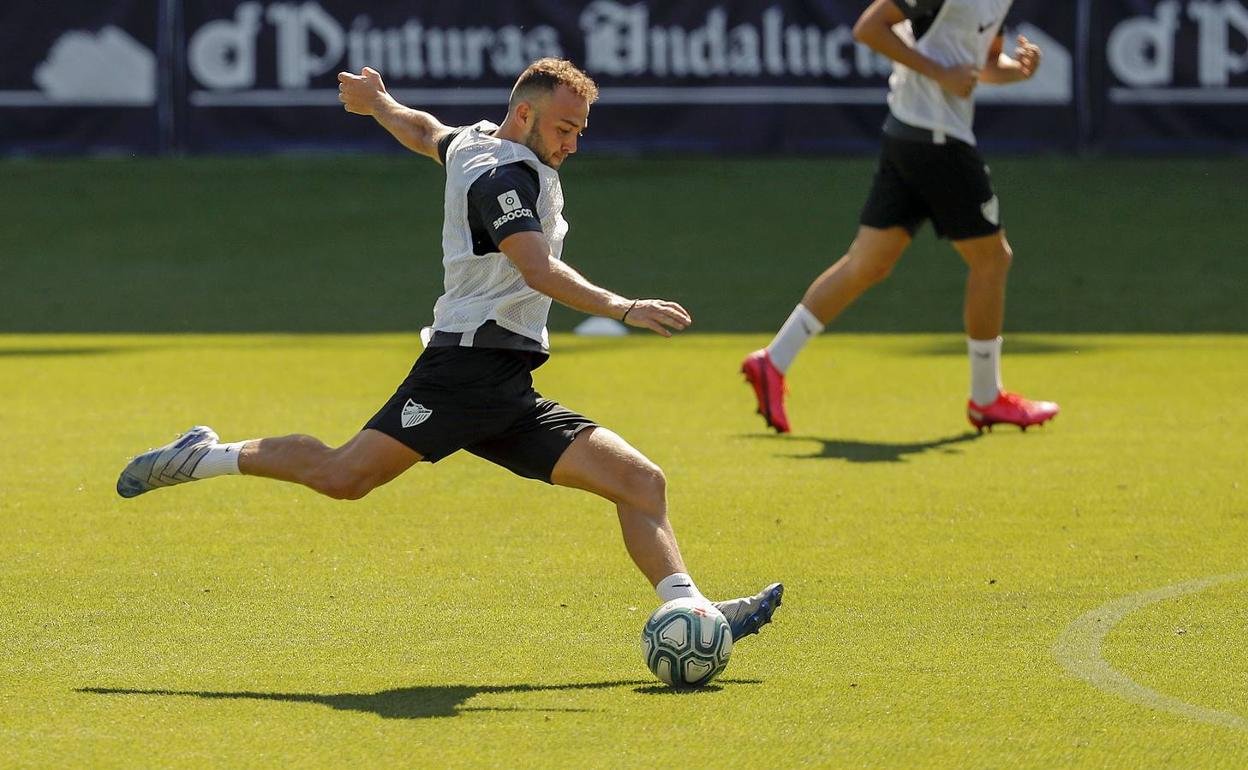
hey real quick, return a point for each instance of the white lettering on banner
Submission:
(416, 51)
(297, 27)
(619, 40)
(1141, 50)
(222, 53)
(1217, 59)
(310, 42)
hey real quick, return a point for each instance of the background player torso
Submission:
(961, 33)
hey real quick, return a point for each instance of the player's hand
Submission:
(1028, 57)
(959, 80)
(658, 316)
(360, 94)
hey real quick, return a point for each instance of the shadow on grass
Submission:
(411, 702)
(873, 451)
(718, 685)
(1021, 345)
(19, 352)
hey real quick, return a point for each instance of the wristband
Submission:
(624, 317)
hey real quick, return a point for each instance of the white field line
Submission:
(1078, 649)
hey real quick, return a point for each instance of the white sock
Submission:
(677, 585)
(221, 460)
(985, 369)
(792, 337)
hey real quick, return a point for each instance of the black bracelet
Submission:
(624, 317)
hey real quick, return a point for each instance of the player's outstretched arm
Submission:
(1004, 69)
(365, 94)
(875, 30)
(530, 253)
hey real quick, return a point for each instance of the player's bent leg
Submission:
(601, 462)
(349, 472)
(988, 259)
(870, 259)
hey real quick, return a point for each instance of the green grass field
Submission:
(1066, 597)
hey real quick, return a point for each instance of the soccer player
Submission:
(929, 168)
(472, 388)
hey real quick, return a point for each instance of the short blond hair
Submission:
(545, 75)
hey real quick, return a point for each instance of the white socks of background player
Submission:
(792, 337)
(221, 460)
(985, 358)
(677, 585)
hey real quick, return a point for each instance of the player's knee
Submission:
(875, 271)
(871, 268)
(647, 486)
(1006, 256)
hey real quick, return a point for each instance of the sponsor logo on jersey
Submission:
(510, 201)
(517, 214)
(414, 414)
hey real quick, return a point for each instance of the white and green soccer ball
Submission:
(686, 642)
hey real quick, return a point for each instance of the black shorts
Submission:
(947, 183)
(482, 400)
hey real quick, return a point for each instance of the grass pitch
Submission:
(943, 588)
(463, 617)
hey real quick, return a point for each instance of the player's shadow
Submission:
(876, 451)
(404, 702)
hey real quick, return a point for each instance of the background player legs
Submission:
(368, 460)
(989, 261)
(601, 462)
(870, 259)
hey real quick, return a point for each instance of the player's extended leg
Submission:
(988, 259)
(870, 259)
(368, 460)
(601, 462)
(348, 472)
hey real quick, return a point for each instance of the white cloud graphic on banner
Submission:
(105, 67)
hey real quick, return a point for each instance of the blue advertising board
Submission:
(1175, 75)
(727, 76)
(79, 76)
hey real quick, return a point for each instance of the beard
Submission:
(534, 142)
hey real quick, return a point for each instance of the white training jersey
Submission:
(961, 32)
(488, 287)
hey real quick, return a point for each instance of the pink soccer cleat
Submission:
(769, 389)
(1010, 408)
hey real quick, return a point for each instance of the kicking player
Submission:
(502, 241)
(929, 169)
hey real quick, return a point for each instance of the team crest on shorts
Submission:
(992, 210)
(414, 414)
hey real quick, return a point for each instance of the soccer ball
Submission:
(686, 642)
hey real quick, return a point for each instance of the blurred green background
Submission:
(321, 244)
